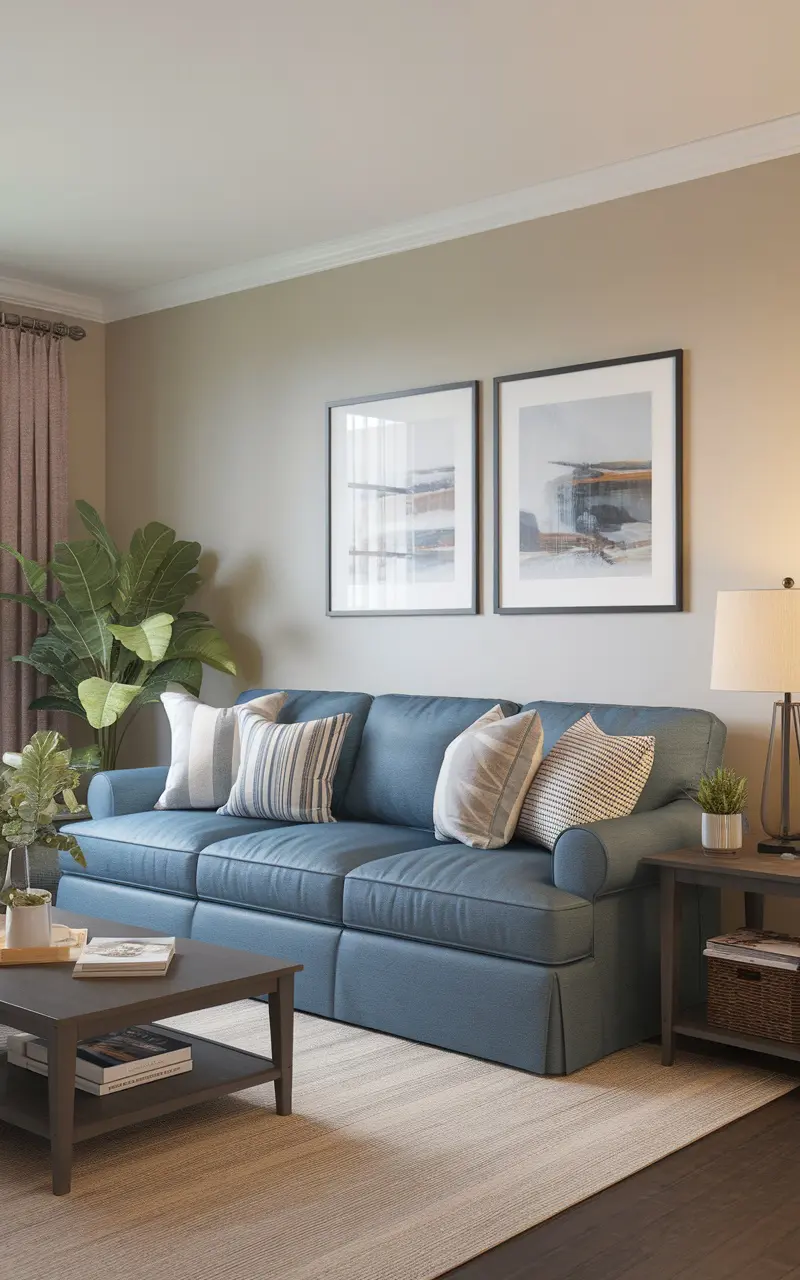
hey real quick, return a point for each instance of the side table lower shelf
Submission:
(694, 1023)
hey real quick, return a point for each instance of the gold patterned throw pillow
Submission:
(484, 777)
(587, 776)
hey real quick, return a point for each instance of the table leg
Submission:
(670, 961)
(281, 1026)
(754, 910)
(61, 1054)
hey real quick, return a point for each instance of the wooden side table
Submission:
(754, 874)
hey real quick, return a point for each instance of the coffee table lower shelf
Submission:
(217, 1069)
(694, 1022)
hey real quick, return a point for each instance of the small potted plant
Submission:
(35, 792)
(722, 795)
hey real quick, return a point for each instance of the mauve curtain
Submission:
(33, 506)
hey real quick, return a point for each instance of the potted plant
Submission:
(722, 795)
(117, 635)
(34, 793)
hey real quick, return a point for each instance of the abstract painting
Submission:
(588, 487)
(402, 502)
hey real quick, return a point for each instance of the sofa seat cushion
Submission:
(501, 902)
(155, 849)
(297, 870)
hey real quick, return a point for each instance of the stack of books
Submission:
(124, 958)
(106, 1064)
(756, 946)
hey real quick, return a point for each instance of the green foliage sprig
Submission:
(117, 633)
(39, 789)
(28, 897)
(722, 791)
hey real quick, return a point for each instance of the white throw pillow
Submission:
(484, 778)
(588, 776)
(287, 770)
(205, 749)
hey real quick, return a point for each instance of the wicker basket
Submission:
(754, 1000)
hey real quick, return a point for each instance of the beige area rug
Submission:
(400, 1161)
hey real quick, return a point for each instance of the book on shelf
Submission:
(124, 958)
(114, 1086)
(115, 1056)
(756, 946)
(750, 958)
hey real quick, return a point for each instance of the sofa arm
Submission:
(125, 791)
(604, 856)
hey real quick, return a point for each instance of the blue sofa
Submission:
(544, 961)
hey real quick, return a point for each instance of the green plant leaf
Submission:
(97, 530)
(87, 633)
(183, 671)
(85, 759)
(175, 579)
(104, 701)
(57, 700)
(137, 568)
(200, 640)
(35, 573)
(37, 605)
(86, 573)
(53, 656)
(149, 640)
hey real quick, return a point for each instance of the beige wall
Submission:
(215, 424)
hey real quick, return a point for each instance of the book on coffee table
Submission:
(114, 1086)
(124, 958)
(115, 1056)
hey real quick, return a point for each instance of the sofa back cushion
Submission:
(319, 704)
(402, 749)
(688, 742)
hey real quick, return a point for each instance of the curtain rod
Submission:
(27, 324)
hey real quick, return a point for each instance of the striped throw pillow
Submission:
(205, 749)
(587, 777)
(485, 775)
(287, 770)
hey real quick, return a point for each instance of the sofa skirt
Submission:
(547, 1019)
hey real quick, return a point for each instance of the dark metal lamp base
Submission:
(783, 844)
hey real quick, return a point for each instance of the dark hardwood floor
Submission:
(726, 1208)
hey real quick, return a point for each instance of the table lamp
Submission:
(757, 649)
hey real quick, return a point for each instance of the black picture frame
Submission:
(676, 605)
(472, 385)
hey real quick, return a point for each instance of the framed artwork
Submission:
(588, 475)
(403, 502)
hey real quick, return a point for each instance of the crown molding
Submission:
(23, 293)
(702, 158)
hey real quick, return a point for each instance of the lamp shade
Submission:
(757, 641)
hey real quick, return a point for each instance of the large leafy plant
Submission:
(39, 787)
(117, 633)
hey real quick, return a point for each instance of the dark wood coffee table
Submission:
(48, 1001)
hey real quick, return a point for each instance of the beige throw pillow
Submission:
(205, 749)
(587, 776)
(484, 777)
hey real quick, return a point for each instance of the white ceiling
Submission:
(144, 143)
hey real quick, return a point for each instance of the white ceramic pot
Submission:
(28, 926)
(722, 832)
